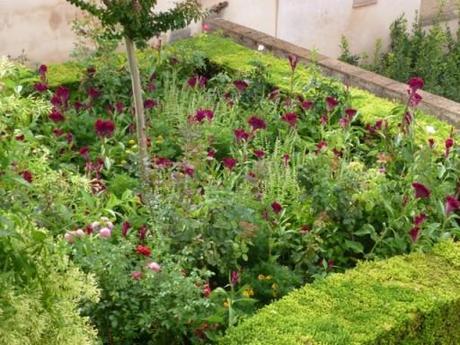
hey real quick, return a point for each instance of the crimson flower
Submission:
(42, 71)
(162, 162)
(63, 94)
(421, 191)
(449, 143)
(202, 114)
(276, 207)
(104, 128)
(416, 83)
(188, 169)
(206, 290)
(331, 103)
(431, 142)
(240, 85)
(90, 71)
(27, 175)
(197, 80)
(125, 228)
(451, 204)
(256, 123)
(119, 106)
(229, 162)
(414, 233)
(94, 93)
(290, 118)
(274, 94)
(78, 106)
(136, 275)
(306, 105)
(235, 278)
(142, 232)
(286, 159)
(241, 134)
(259, 154)
(320, 146)
(211, 153)
(305, 229)
(323, 120)
(40, 87)
(150, 103)
(143, 250)
(350, 113)
(56, 116)
(293, 61)
(19, 137)
(420, 219)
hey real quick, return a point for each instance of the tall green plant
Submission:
(136, 22)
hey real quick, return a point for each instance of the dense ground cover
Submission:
(255, 190)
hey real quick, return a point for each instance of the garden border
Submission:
(443, 108)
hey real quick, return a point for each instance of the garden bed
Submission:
(265, 176)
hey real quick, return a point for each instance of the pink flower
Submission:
(205, 27)
(256, 123)
(143, 250)
(94, 93)
(344, 122)
(84, 152)
(240, 85)
(105, 233)
(142, 232)
(234, 278)
(56, 116)
(136, 275)
(320, 146)
(125, 228)
(416, 83)
(451, 204)
(27, 176)
(290, 118)
(188, 169)
(293, 61)
(119, 107)
(241, 134)
(104, 128)
(331, 103)
(162, 162)
(414, 233)
(229, 162)
(306, 105)
(323, 120)
(206, 290)
(421, 191)
(276, 207)
(150, 103)
(350, 113)
(259, 154)
(211, 153)
(449, 143)
(154, 266)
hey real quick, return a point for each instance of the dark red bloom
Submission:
(42, 70)
(143, 250)
(125, 228)
(290, 118)
(306, 105)
(19, 137)
(323, 120)
(94, 93)
(240, 85)
(276, 207)
(104, 128)
(40, 87)
(235, 278)
(320, 146)
(150, 103)
(84, 152)
(449, 143)
(211, 153)
(416, 83)
(331, 103)
(229, 162)
(162, 162)
(241, 134)
(206, 290)
(286, 159)
(414, 233)
(89, 229)
(63, 94)
(90, 71)
(350, 113)
(431, 142)
(293, 61)
(259, 154)
(27, 175)
(56, 116)
(119, 107)
(202, 114)
(421, 191)
(256, 123)
(420, 219)
(305, 229)
(79, 105)
(142, 232)
(188, 169)
(274, 94)
(197, 80)
(451, 204)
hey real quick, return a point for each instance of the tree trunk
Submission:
(140, 117)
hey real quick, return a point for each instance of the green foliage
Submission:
(137, 19)
(40, 288)
(411, 299)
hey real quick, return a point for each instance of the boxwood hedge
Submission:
(410, 300)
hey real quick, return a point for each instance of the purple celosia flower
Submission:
(229, 162)
(276, 207)
(290, 118)
(449, 143)
(420, 219)
(94, 93)
(142, 232)
(421, 191)
(125, 228)
(162, 162)
(56, 116)
(293, 61)
(256, 123)
(234, 278)
(104, 128)
(40, 87)
(150, 104)
(259, 154)
(241, 134)
(416, 83)
(202, 114)
(188, 170)
(197, 81)
(27, 176)
(240, 85)
(331, 103)
(350, 113)
(414, 233)
(306, 104)
(451, 204)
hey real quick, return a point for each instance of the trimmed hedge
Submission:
(410, 300)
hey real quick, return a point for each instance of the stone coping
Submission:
(441, 107)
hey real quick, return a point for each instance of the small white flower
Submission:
(430, 130)
(261, 47)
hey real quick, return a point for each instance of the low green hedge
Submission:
(410, 300)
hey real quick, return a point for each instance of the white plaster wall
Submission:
(319, 24)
